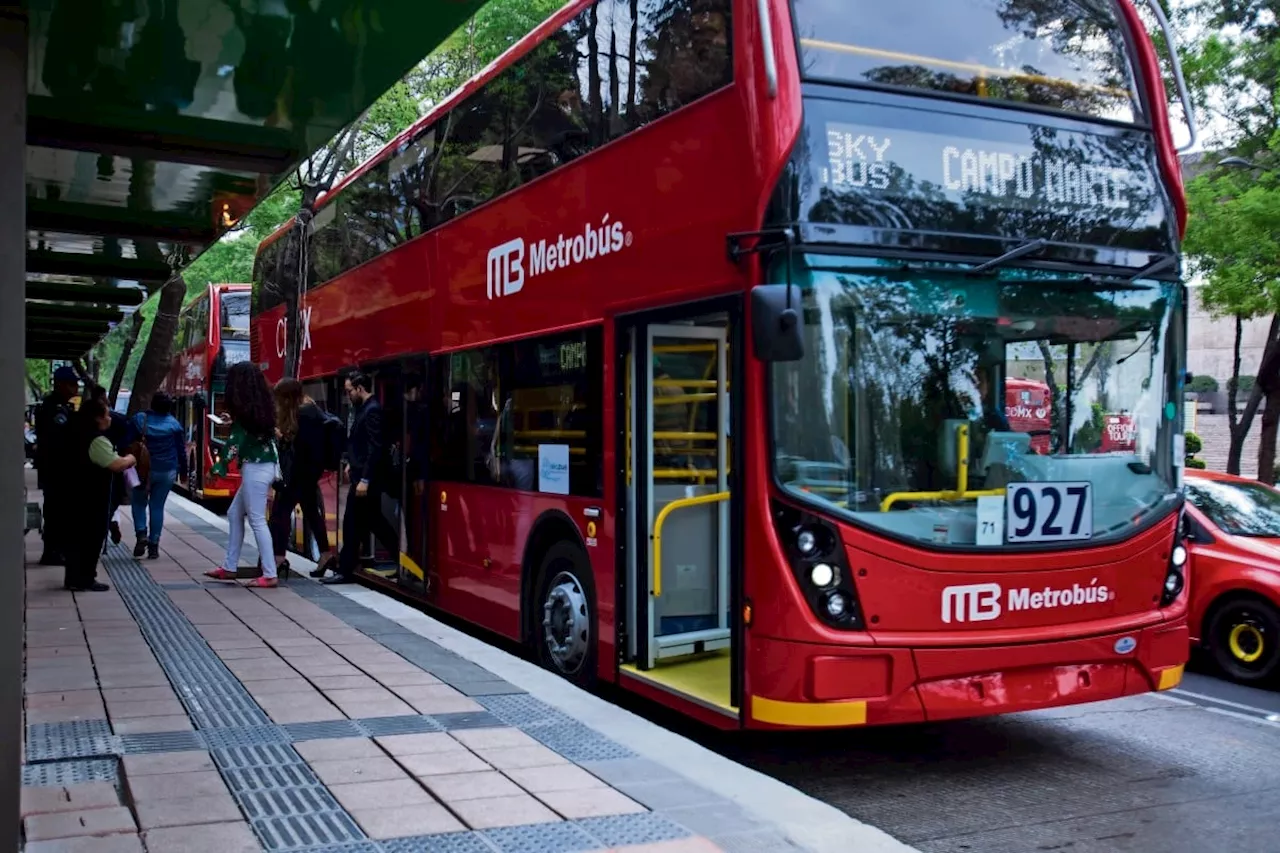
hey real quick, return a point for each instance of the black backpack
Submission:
(335, 441)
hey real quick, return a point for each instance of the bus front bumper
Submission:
(802, 685)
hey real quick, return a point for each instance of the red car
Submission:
(1235, 573)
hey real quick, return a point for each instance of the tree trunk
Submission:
(157, 357)
(1269, 382)
(117, 376)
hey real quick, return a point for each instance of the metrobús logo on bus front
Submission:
(506, 272)
(982, 602)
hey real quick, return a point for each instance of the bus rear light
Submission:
(814, 550)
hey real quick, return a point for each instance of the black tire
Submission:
(563, 614)
(1243, 638)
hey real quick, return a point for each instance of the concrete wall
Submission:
(1210, 342)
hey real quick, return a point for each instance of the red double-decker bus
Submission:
(689, 319)
(213, 334)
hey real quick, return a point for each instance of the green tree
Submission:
(1233, 239)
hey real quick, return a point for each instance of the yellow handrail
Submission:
(683, 503)
(959, 493)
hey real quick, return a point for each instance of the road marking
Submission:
(1262, 712)
(1240, 716)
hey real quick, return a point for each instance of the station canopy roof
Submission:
(154, 125)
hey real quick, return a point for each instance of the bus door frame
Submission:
(633, 334)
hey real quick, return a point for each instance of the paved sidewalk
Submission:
(174, 714)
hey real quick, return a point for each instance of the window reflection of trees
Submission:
(1061, 54)
(616, 67)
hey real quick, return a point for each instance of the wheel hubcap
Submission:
(566, 623)
(1246, 641)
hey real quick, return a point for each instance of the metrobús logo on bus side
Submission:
(506, 271)
(981, 602)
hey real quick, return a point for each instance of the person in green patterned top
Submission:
(252, 445)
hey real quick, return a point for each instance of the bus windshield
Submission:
(927, 398)
(1062, 54)
(235, 316)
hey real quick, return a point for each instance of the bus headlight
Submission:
(1175, 577)
(1179, 556)
(823, 576)
(819, 564)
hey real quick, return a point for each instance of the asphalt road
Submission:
(1193, 771)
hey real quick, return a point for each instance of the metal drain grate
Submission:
(56, 773)
(70, 730)
(451, 842)
(384, 726)
(160, 742)
(541, 838)
(629, 829)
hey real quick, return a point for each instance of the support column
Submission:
(13, 148)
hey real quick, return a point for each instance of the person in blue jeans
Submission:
(167, 446)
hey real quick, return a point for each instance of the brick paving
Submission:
(362, 736)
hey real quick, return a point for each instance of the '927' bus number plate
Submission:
(1048, 512)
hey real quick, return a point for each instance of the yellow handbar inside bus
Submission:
(959, 493)
(683, 503)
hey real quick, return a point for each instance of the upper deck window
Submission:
(235, 316)
(1065, 55)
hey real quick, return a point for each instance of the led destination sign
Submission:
(997, 178)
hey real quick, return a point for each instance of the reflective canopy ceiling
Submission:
(154, 125)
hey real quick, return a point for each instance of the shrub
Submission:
(1245, 384)
(1203, 385)
(1194, 444)
(1198, 464)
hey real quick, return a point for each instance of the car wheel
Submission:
(564, 615)
(1244, 639)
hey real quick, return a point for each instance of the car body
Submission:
(1235, 573)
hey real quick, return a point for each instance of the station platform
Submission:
(177, 713)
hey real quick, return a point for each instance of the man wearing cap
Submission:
(54, 428)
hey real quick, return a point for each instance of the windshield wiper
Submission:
(1030, 248)
(1159, 266)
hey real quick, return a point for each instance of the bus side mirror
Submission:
(777, 331)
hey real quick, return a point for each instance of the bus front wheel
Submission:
(564, 617)
(1244, 639)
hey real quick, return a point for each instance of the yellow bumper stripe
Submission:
(1171, 677)
(808, 714)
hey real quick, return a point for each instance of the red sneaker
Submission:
(221, 574)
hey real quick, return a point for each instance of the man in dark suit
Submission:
(366, 447)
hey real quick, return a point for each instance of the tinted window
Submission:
(235, 316)
(1238, 509)
(267, 288)
(1063, 54)
(525, 415)
(604, 74)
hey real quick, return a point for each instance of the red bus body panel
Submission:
(698, 175)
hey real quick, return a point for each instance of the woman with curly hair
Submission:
(253, 445)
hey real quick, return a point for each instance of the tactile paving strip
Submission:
(55, 773)
(287, 806)
(541, 838)
(323, 730)
(451, 842)
(578, 742)
(384, 726)
(65, 748)
(628, 829)
(523, 711)
(160, 742)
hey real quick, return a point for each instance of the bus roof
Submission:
(476, 82)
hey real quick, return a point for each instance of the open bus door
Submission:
(683, 572)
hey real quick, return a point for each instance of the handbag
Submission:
(278, 481)
(138, 450)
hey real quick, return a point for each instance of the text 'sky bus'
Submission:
(213, 334)
(687, 327)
